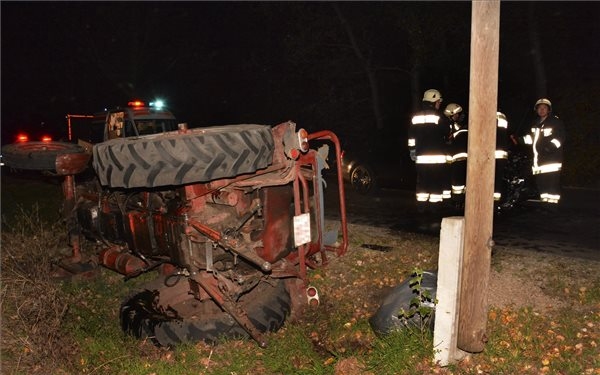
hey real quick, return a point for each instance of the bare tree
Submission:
(539, 69)
(438, 37)
(130, 46)
(367, 65)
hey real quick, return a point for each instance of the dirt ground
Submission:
(379, 259)
(521, 283)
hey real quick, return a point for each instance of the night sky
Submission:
(241, 62)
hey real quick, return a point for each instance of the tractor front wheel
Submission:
(191, 320)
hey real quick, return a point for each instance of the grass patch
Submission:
(29, 193)
(34, 309)
(404, 352)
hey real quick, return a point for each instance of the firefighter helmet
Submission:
(432, 95)
(543, 101)
(452, 109)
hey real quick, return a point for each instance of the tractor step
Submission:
(65, 270)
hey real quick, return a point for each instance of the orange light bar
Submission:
(46, 138)
(22, 137)
(136, 103)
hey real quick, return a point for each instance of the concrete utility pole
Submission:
(479, 201)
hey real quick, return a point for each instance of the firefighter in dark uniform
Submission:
(501, 154)
(427, 137)
(546, 139)
(458, 152)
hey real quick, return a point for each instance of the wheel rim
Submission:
(361, 179)
(45, 146)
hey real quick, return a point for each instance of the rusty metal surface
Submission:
(247, 218)
(69, 164)
(122, 262)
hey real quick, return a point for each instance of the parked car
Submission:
(379, 162)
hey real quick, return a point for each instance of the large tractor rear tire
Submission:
(200, 155)
(267, 306)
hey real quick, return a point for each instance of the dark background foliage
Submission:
(357, 68)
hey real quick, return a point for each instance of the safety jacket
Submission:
(427, 136)
(501, 138)
(459, 144)
(501, 153)
(546, 139)
(458, 150)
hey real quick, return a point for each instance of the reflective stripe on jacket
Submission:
(431, 159)
(459, 157)
(546, 139)
(546, 168)
(427, 136)
(501, 154)
(425, 119)
(459, 144)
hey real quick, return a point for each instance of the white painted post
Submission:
(448, 292)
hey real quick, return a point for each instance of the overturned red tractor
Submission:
(231, 218)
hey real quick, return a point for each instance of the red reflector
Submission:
(294, 153)
(22, 137)
(46, 138)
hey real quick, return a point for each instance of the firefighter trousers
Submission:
(432, 182)
(548, 185)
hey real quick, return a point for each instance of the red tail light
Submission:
(22, 137)
(136, 103)
(46, 138)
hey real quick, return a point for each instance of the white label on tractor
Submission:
(302, 229)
